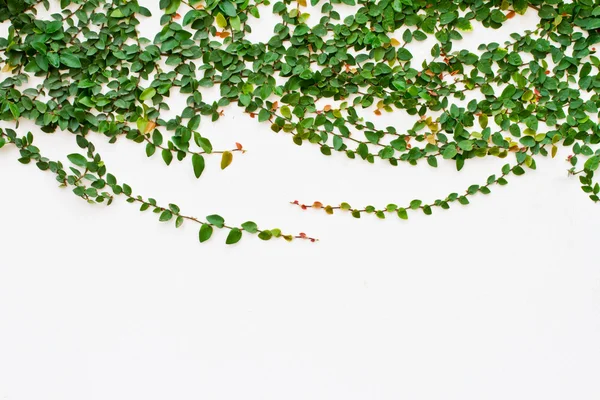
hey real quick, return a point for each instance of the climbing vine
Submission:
(323, 83)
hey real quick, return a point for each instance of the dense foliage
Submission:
(517, 100)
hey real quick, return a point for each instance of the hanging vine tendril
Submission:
(316, 82)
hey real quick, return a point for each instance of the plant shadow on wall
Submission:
(99, 76)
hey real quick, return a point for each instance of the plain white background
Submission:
(496, 300)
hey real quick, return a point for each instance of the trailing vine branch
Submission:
(95, 173)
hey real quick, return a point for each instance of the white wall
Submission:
(496, 300)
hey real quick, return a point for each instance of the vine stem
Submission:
(139, 199)
(126, 191)
(194, 152)
(414, 205)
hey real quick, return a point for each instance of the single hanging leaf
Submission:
(431, 160)
(165, 216)
(150, 149)
(198, 164)
(167, 156)
(226, 159)
(234, 236)
(206, 232)
(402, 214)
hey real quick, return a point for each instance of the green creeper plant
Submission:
(519, 100)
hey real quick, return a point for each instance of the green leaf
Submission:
(14, 110)
(147, 94)
(234, 236)
(447, 17)
(70, 60)
(264, 115)
(206, 232)
(517, 170)
(77, 159)
(117, 13)
(402, 214)
(53, 26)
(165, 216)
(250, 227)
(190, 16)
(40, 47)
(498, 16)
(514, 59)
(520, 6)
(449, 152)
(415, 204)
(173, 6)
(466, 145)
(527, 141)
(592, 163)
(202, 142)
(431, 160)
(228, 8)
(167, 156)
(53, 59)
(198, 164)
(547, 12)
(150, 149)
(194, 123)
(216, 220)
(265, 235)
(276, 232)
(588, 23)
(285, 111)
(235, 23)
(86, 83)
(464, 25)
(404, 55)
(141, 124)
